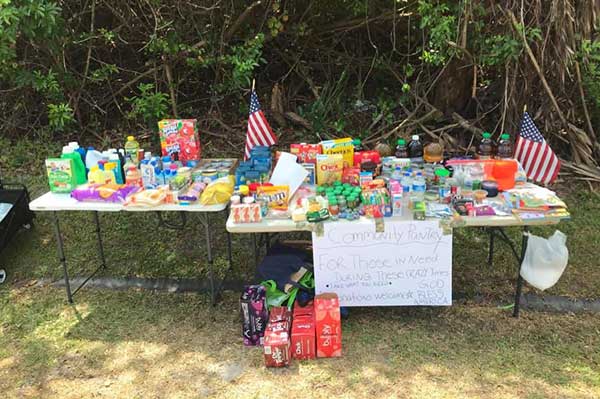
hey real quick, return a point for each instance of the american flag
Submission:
(534, 154)
(259, 131)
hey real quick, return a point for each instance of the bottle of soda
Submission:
(486, 147)
(401, 150)
(415, 150)
(357, 145)
(505, 148)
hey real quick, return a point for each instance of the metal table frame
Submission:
(495, 231)
(215, 286)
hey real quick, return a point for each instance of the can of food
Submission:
(197, 176)
(185, 171)
(209, 175)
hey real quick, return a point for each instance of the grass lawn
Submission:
(145, 344)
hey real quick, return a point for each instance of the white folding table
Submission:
(55, 203)
(494, 224)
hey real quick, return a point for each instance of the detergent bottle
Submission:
(92, 158)
(78, 166)
(98, 176)
(76, 148)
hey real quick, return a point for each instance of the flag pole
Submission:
(253, 84)
(524, 107)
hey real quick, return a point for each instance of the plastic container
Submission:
(415, 150)
(98, 176)
(486, 148)
(92, 158)
(418, 188)
(133, 177)
(132, 150)
(76, 148)
(505, 147)
(433, 153)
(401, 149)
(78, 165)
(148, 175)
(406, 183)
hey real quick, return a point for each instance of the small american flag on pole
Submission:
(259, 130)
(535, 155)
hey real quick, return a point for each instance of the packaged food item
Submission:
(312, 176)
(150, 198)
(329, 168)
(328, 325)
(192, 194)
(276, 197)
(303, 338)
(351, 176)
(277, 345)
(246, 213)
(217, 192)
(366, 156)
(344, 147)
(179, 139)
(306, 153)
(61, 176)
(116, 193)
(253, 305)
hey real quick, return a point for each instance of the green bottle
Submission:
(78, 165)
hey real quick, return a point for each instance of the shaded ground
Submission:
(147, 345)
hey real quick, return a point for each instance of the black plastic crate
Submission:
(19, 215)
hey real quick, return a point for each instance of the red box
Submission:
(277, 349)
(366, 156)
(280, 313)
(328, 325)
(303, 338)
(306, 153)
(180, 136)
(308, 310)
(351, 175)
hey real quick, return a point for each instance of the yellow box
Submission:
(345, 147)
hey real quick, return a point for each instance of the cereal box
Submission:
(179, 138)
(329, 168)
(345, 147)
(306, 153)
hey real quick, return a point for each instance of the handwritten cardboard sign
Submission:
(408, 264)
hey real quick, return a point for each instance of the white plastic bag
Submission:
(545, 260)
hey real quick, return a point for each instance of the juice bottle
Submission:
(415, 150)
(132, 149)
(133, 177)
(505, 148)
(486, 147)
(78, 165)
(401, 150)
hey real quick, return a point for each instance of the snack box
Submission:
(312, 175)
(180, 136)
(344, 147)
(329, 168)
(366, 156)
(328, 325)
(306, 153)
(61, 176)
(277, 348)
(246, 213)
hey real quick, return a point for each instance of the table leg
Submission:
(255, 247)
(519, 287)
(99, 237)
(61, 256)
(492, 232)
(211, 275)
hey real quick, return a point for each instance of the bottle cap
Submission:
(505, 136)
(67, 150)
(130, 138)
(415, 137)
(94, 168)
(356, 142)
(401, 142)
(74, 145)
(486, 135)
(442, 172)
(166, 158)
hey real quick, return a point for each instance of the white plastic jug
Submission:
(545, 260)
(92, 158)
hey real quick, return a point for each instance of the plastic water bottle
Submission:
(166, 162)
(397, 174)
(418, 188)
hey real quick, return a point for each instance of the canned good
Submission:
(209, 175)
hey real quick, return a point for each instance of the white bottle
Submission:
(92, 158)
(418, 188)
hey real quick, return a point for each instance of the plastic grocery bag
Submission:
(545, 260)
(218, 192)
